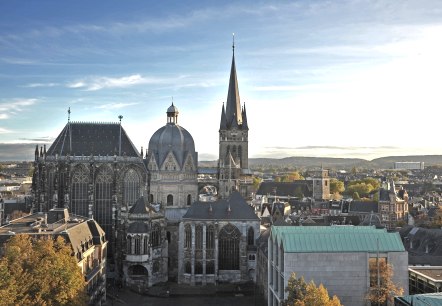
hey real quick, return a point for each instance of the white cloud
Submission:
(4, 131)
(35, 85)
(115, 105)
(97, 83)
(4, 116)
(17, 105)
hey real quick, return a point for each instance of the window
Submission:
(129, 245)
(189, 200)
(210, 267)
(137, 240)
(187, 236)
(169, 200)
(150, 198)
(198, 268)
(145, 245)
(199, 237)
(250, 236)
(79, 194)
(156, 267)
(168, 237)
(131, 187)
(103, 201)
(210, 237)
(228, 255)
(155, 236)
(187, 267)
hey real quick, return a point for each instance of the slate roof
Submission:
(425, 299)
(424, 245)
(140, 207)
(363, 207)
(232, 208)
(138, 227)
(285, 189)
(81, 138)
(336, 239)
(384, 195)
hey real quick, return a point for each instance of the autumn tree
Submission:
(336, 186)
(301, 294)
(382, 288)
(40, 272)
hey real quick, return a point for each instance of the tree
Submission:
(302, 294)
(40, 272)
(336, 186)
(382, 287)
(256, 182)
(356, 196)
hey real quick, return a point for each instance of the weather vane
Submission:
(233, 43)
(69, 114)
(120, 117)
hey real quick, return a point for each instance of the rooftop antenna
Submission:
(119, 151)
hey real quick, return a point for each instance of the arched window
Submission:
(138, 270)
(188, 236)
(234, 152)
(145, 245)
(129, 244)
(198, 268)
(210, 267)
(137, 245)
(199, 237)
(189, 200)
(131, 187)
(150, 198)
(250, 236)
(79, 194)
(155, 236)
(187, 267)
(228, 254)
(103, 201)
(168, 236)
(210, 237)
(169, 200)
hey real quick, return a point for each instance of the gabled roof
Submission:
(336, 239)
(363, 207)
(232, 208)
(82, 138)
(285, 189)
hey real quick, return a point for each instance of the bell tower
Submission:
(233, 160)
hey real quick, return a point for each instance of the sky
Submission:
(350, 78)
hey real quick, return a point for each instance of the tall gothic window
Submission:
(50, 188)
(250, 236)
(228, 254)
(198, 268)
(169, 200)
(79, 194)
(187, 267)
(103, 201)
(155, 236)
(187, 236)
(210, 237)
(137, 245)
(129, 244)
(150, 198)
(145, 245)
(210, 267)
(199, 237)
(131, 187)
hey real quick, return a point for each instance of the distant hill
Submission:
(335, 163)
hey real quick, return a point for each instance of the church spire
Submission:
(244, 118)
(223, 124)
(233, 107)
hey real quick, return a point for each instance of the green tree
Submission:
(336, 186)
(40, 272)
(301, 294)
(356, 196)
(256, 182)
(382, 287)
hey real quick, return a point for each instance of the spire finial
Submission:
(120, 117)
(233, 43)
(69, 114)
(172, 100)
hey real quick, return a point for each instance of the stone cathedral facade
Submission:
(144, 201)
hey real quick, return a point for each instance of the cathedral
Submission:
(147, 202)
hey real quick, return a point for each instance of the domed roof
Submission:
(172, 137)
(172, 109)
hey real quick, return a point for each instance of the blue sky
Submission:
(352, 78)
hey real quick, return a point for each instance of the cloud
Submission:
(38, 139)
(97, 83)
(8, 109)
(35, 85)
(116, 105)
(4, 131)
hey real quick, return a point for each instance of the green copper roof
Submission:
(330, 239)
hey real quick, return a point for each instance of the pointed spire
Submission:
(223, 124)
(233, 107)
(244, 118)
(36, 152)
